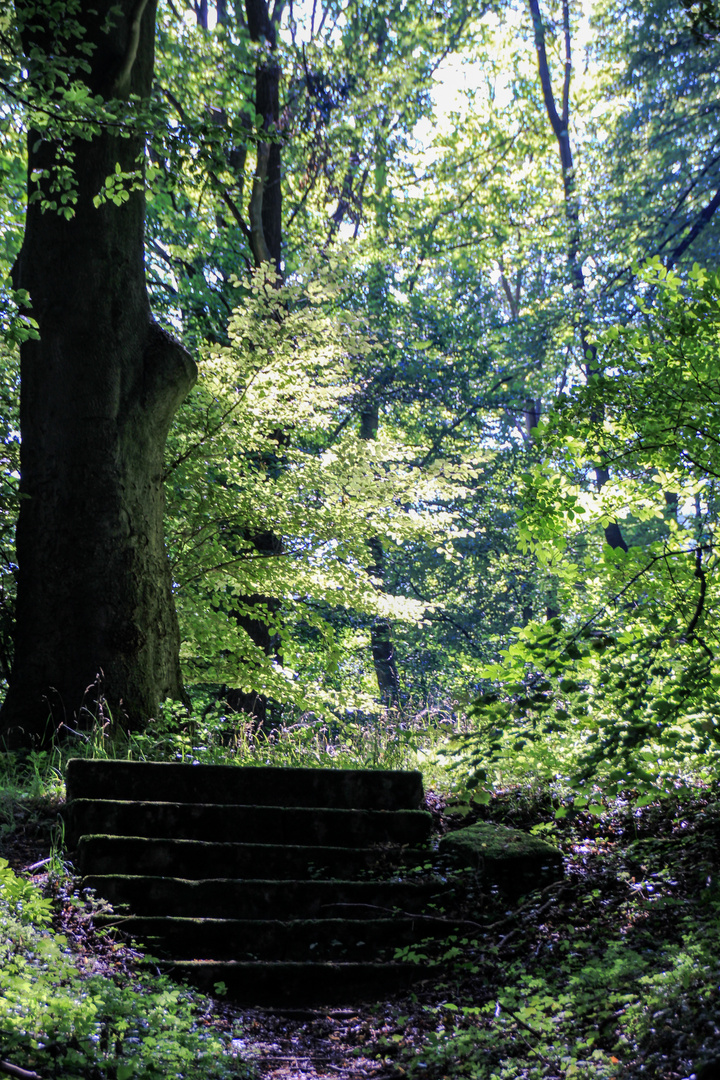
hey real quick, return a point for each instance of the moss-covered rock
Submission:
(513, 860)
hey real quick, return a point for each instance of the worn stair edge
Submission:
(249, 785)
(228, 898)
(225, 822)
(292, 939)
(283, 982)
(103, 854)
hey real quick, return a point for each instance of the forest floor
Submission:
(612, 973)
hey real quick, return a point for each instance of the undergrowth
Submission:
(610, 974)
(56, 1015)
(59, 1020)
(390, 739)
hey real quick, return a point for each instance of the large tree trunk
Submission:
(96, 625)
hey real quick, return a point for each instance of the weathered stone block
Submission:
(513, 860)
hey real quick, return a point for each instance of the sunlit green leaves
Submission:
(261, 445)
(54, 1015)
(627, 676)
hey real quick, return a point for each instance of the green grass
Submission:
(391, 739)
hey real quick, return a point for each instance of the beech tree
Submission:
(100, 383)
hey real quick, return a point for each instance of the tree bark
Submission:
(263, 233)
(96, 625)
(381, 639)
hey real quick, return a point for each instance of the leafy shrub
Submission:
(60, 1022)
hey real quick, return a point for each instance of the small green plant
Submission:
(607, 976)
(58, 1021)
(21, 900)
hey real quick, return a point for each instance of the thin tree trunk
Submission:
(263, 231)
(560, 123)
(265, 224)
(96, 625)
(381, 639)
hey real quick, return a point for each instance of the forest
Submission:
(358, 368)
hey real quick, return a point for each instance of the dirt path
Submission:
(314, 1044)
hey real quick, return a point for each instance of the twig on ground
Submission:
(36, 865)
(521, 1023)
(15, 1070)
(514, 914)
(412, 915)
(505, 939)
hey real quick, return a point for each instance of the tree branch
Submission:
(700, 574)
(298, 207)
(702, 220)
(258, 243)
(15, 1070)
(234, 210)
(224, 194)
(443, 616)
(122, 82)
(479, 403)
(544, 69)
(511, 297)
(568, 65)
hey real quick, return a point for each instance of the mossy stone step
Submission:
(140, 781)
(293, 939)
(287, 982)
(230, 823)
(229, 898)
(103, 854)
(289, 885)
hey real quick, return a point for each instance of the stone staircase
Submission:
(284, 884)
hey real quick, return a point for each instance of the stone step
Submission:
(102, 854)
(293, 939)
(228, 898)
(282, 982)
(229, 823)
(292, 885)
(346, 789)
